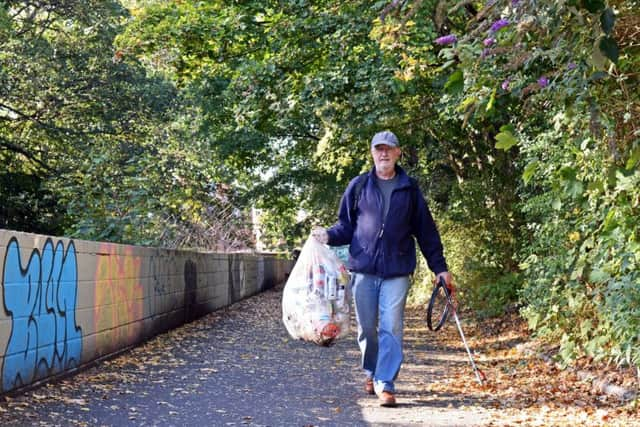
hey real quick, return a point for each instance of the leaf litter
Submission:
(522, 388)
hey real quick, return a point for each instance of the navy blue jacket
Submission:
(385, 247)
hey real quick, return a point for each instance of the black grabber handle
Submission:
(434, 295)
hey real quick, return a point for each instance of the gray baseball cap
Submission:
(385, 137)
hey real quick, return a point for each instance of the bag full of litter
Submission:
(315, 300)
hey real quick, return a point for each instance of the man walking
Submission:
(380, 214)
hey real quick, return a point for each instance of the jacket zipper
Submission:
(379, 244)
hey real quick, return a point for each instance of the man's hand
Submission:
(320, 234)
(448, 280)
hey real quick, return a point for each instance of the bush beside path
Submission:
(239, 367)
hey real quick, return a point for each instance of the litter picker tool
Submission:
(441, 304)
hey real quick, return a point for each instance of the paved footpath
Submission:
(239, 367)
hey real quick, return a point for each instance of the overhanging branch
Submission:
(10, 146)
(395, 4)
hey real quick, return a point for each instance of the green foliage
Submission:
(484, 279)
(105, 146)
(51, 105)
(5, 21)
(289, 92)
(558, 83)
(505, 140)
(26, 206)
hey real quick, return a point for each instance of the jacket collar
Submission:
(403, 178)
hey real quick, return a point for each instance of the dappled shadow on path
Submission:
(238, 366)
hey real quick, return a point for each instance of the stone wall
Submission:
(69, 302)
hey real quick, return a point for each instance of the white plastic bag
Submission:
(315, 300)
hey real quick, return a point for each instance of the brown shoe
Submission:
(387, 399)
(368, 386)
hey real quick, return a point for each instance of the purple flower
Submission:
(514, 3)
(505, 84)
(485, 52)
(571, 66)
(498, 25)
(489, 41)
(445, 40)
(543, 82)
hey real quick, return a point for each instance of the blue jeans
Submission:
(379, 307)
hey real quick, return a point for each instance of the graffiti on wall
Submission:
(119, 297)
(42, 279)
(40, 300)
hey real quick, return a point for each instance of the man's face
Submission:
(385, 156)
